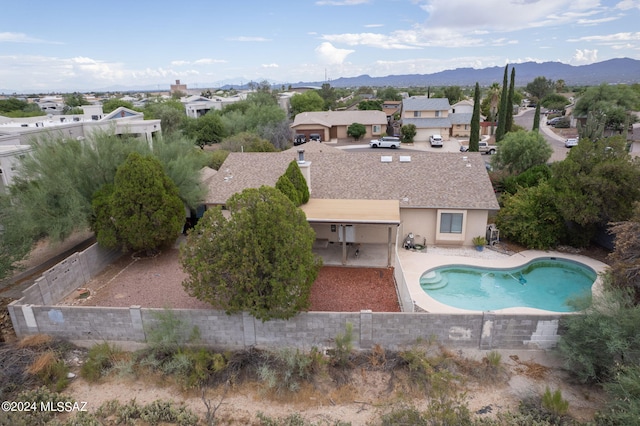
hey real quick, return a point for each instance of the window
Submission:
(376, 128)
(451, 223)
(416, 113)
(438, 113)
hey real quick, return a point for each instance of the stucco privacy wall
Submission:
(33, 314)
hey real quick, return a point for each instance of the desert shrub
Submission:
(554, 403)
(35, 416)
(623, 407)
(286, 370)
(100, 359)
(295, 419)
(341, 354)
(154, 413)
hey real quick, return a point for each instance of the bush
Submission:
(101, 358)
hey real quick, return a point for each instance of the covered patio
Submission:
(341, 217)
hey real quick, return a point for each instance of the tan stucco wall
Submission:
(424, 224)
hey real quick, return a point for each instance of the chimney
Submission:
(177, 82)
(305, 168)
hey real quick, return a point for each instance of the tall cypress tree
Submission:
(474, 137)
(502, 113)
(536, 118)
(509, 121)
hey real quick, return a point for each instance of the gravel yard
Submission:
(157, 283)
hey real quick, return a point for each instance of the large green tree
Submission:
(55, 184)
(408, 132)
(307, 101)
(530, 217)
(539, 88)
(611, 102)
(14, 244)
(205, 130)
(356, 131)
(259, 259)
(474, 136)
(454, 94)
(510, 102)
(141, 210)
(597, 183)
(520, 150)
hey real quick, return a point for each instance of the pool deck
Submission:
(415, 263)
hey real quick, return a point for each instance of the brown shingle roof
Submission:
(428, 180)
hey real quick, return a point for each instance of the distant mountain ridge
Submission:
(613, 71)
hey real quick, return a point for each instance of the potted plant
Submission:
(479, 242)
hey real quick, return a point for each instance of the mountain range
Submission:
(613, 71)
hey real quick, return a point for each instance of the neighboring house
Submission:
(634, 140)
(429, 115)
(460, 124)
(464, 106)
(16, 134)
(9, 156)
(362, 197)
(196, 106)
(333, 125)
(390, 108)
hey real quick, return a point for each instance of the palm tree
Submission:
(494, 100)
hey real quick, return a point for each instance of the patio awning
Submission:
(352, 211)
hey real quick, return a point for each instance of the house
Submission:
(429, 115)
(460, 124)
(196, 106)
(333, 125)
(464, 106)
(16, 134)
(442, 198)
(9, 157)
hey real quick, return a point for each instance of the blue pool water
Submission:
(543, 284)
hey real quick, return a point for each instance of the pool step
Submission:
(433, 280)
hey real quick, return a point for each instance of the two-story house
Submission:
(429, 115)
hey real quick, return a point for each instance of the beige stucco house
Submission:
(429, 115)
(333, 125)
(442, 198)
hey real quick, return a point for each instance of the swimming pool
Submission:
(544, 283)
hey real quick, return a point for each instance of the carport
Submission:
(345, 212)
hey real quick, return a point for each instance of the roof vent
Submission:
(386, 159)
(405, 158)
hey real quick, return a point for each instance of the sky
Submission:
(73, 45)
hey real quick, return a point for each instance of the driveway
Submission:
(525, 119)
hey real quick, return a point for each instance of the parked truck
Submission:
(483, 147)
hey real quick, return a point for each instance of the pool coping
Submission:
(414, 264)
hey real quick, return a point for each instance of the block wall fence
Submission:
(37, 312)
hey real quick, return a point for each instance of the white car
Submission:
(435, 140)
(571, 142)
(385, 142)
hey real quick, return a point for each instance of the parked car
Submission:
(315, 137)
(435, 140)
(571, 142)
(553, 121)
(385, 142)
(483, 148)
(299, 140)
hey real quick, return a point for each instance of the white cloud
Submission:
(7, 37)
(270, 66)
(179, 63)
(609, 38)
(585, 56)
(332, 55)
(206, 61)
(628, 4)
(380, 41)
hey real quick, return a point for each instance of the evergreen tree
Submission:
(141, 210)
(502, 112)
(474, 137)
(259, 260)
(509, 120)
(294, 175)
(536, 119)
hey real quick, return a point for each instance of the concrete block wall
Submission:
(309, 329)
(62, 279)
